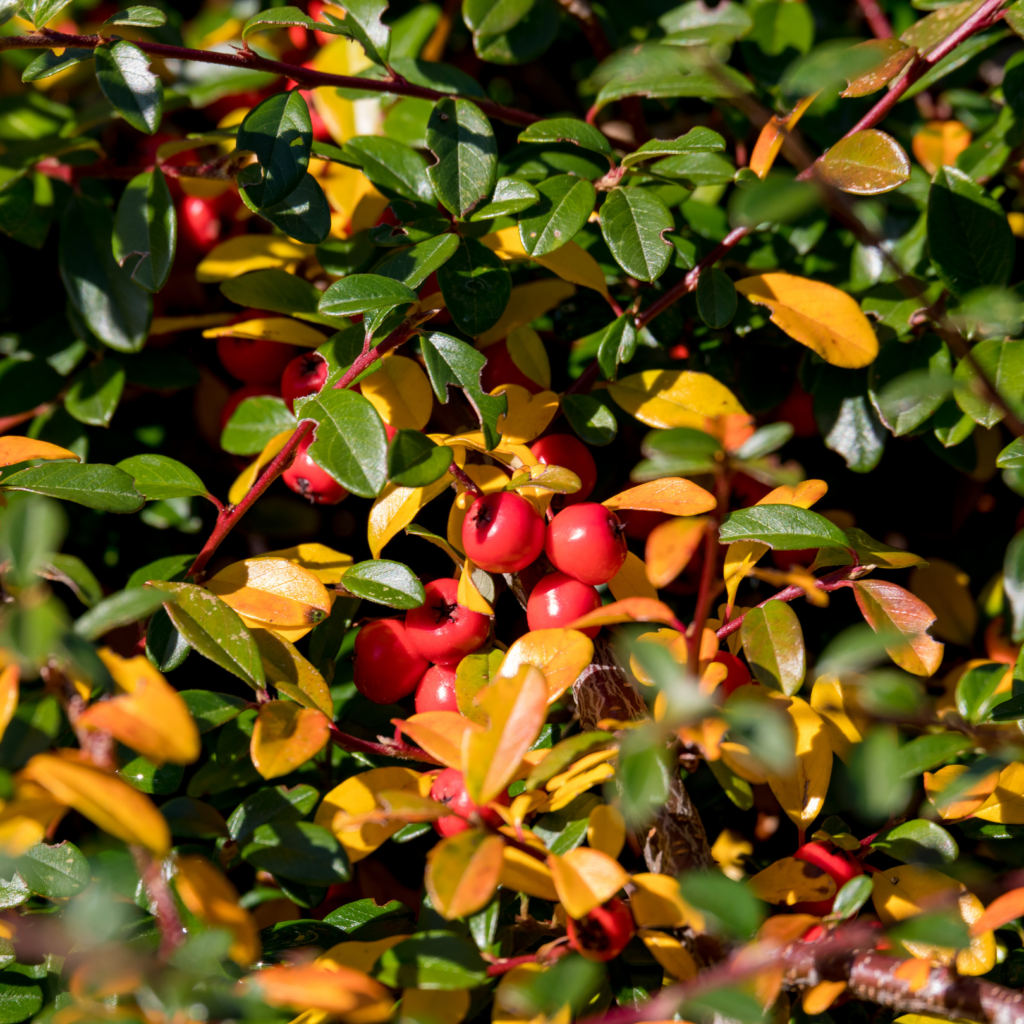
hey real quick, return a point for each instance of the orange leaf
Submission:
(670, 953)
(286, 735)
(801, 791)
(337, 990)
(440, 733)
(26, 819)
(211, 897)
(772, 136)
(521, 872)
(463, 871)
(631, 580)
(657, 903)
(889, 608)
(20, 449)
(670, 546)
(672, 494)
(633, 609)
(560, 654)
(1002, 910)
(585, 878)
(819, 998)
(8, 695)
(938, 143)
(945, 588)
(893, 57)
(914, 972)
(967, 801)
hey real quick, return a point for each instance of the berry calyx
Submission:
(436, 690)
(586, 542)
(571, 453)
(441, 629)
(304, 375)
(502, 532)
(313, 482)
(603, 933)
(387, 666)
(254, 360)
(501, 369)
(449, 788)
(738, 673)
(558, 600)
(236, 398)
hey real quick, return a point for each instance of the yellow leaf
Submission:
(468, 595)
(25, 820)
(674, 398)
(292, 674)
(673, 956)
(20, 449)
(581, 767)
(802, 791)
(560, 654)
(844, 721)
(670, 546)
(279, 328)
(358, 956)
(358, 795)
(273, 593)
(945, 589)
(243, 484)
(633, 609)
(463, 871)
(730, 851)
(739, 759)
(907, 890)
(938, 143)
(565, 794)
(350, 994)
(657, 903)
(606, 830)
(285, 736)
(521, 872)
(585, 878)
(172, 324)
(326, 564)
(396, 507)
(790, 881)
(400, 392)
(104, 799)
(245, 253)
(820, 997)
(980, 957)
(149, 716)
(1006, 804)
(527, 302)
(528, 415)
(339, 57)
(772, 136)
(442, 734)
(825, 319)
(671, 639)
(516, 709)
(509, 1002)
(212, 898)
(9, 677)
(569, 261)
(529, 354)
(438, 1006)
(967, 801)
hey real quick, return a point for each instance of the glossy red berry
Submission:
(502, 532)
(304, 375)
(253, 360)
(449, 788)
(839, 865)
(236, 398)
(604, 933)
(436, 690)
(200, 223)
(441, 629)
(586, 542)
(571, 453)
(387, 666)
(305, 477)
(558, 600)
(500, 369)
(738, 673)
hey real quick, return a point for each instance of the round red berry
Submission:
(436, 690)
(502, 532)
(254, 360)
(313, 482)
(236, 398)
(449, 788)
(387, 666)
(304, 375)
(501, 369)
(441, 629)
(587, 542)
(603, 933)
(200, 223)
(571, 453)
(558, 600)
(738, 673)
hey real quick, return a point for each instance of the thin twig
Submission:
(355, 745)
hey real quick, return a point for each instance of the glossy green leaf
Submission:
(364, 293)
(363, 23)
(119, 609)
(697, 168)
(432, 960)
(414, 265)
(94, 393)
(76, 575)
(304, 214)
(852, 896)
(928, 752)
(592, 420)
(39, 12)
(847, 419)
(141, 17)
(276, 291)
(396, 169)
(1013, 584)
(696, 24)
(568, 129)
(526, 41)
(280, 133)
(254, 423)
(166, 648)
(415, 461)
(56, 872)
(123, 73)
(299, 851)
(145, 230)
(908, 382)
(383, 582)
(158, 476)
(466, 155)
(350, 444)
(719, 82)
(782, 527)
(774, 645)
(476, 286)
(633, 222)
(564, 206)
(280, 17)
(918, 842)
(733, 908)
(210, 709)
(1002, 362)
(716, 297)
(976, 691)
(49, 63)
(510, 196)
(681, 451)
(106, 488)
(696, 140)
(765, 440)
(272, 803)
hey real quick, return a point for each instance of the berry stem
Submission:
(463, 477)
(355, 745)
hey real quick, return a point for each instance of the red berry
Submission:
(500, 369)
(436, 690)
(253, 360)
(441, 629)
(450, 788)
(200, 223)
(587, 542)
(836, 863)
(566, 451)
(739, 674)
(558, 600)
(502, 532)
(603, 933)
(304, 375)
(236, 398)
(387, 666)
(305, 477)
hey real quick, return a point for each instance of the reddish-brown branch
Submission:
(172, 933)
(10, 422)
(394, 748)
(708, 572)
(876, 19)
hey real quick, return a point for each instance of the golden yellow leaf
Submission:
(938, 143)
(964, 803)
(104, 799)
(945, 588)
(149, 715)
(527, 302)
(211, 897)
(633, 609)
(245, 253)
(739, 759)
(907, 890)
(1006, 804)
(671, 639)
(400, 392)
(468, 595)
(631, 580)
(463, 871)
(396, 507)
(980, 957)
(351, 995)
(521, 872)
(570, 262)
(326, 564)
(606, 830)
(9, 677)
(674, 398)
(772, 136)
(673, 956)
(358, 956)
(585, 878)
(338, 57)
(439, 1006)
(20, 449)
(529, 354)
(243, 483)
(825, 319)
(581, 767)
(790, 881)
(657, 903)
(560, 655)
(25, 820)
(845, 723)
(278, 328)
(285, 736)
(528, 415)
(730, 851)
(291, 673)
(568, 792)
(820, 997)
(802, 791)
(670, 546)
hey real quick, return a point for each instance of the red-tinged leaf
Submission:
(773, 134)
(866, 163)
(632, 609)
(671, 494)
(1002, 910)
(889, 608)
(463, 872)
(893, 57)
(439, 733)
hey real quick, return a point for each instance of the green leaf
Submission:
(633, 222)
(114, 308)
(414, 265)
(417, 222)
(1003, 365)
(367, 921)
(166, 648)
(525, 41)
(341, 256)
(298, 850)
(450, 361)
(56, 872)
(415, 461)
(149, 778)
(716, 297)
(384, 582)
(719, 82)
(280, 133)
(94, 393)
(778, 199)
(158, 476)
(304, 214)
(272, 803)
(852, 896)
(364, 293)
(680, 451)
(782, 527)
(145, 230)
(141, 17)
(254, 422)
(466, 155)
(593, 421)
(193, 819)
(106, 488)
(350, 444)
(563, 830)
(774, 645)
(210, 709)
(615, 344)
(696, 140)
(75, 574)
(908, 382)
(927, 752)
(396, 169)
(123, 73)
(476, 286)
(696, 169)
(432, 960)
(492, 17)
(968, 237)
(765, 440)
(563, 208)
(39, 12)
(362, 23)
(510, 196)
(569, 129)
(918, 842)
(976, 690)
(280, 17)
(21, 997)
(1013, 583)
(696, 24)
(643, 775)
(119, 609)
(943, 927)
(213, 629)
(734, 909)
(847, 419)
(50, 63)
(276, 291)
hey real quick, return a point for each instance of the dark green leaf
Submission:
(765, 440)
(847, 419)
(476, 286)
(273, 803)
(716, 297)
(384, 582)
(276, 291)
(569, 129)
(280, 939)
(170, 568)
(591, 419)
(415, 461)
(778, 199)
(94, 393)
(432, 960)
(633, 222)
(304, 214)
(157, 477)
(929, 751)
(461, 139)
(106, 488)
(50, 63)
(123, 73)
(211, 709)
(280, 133)
(774, 645)
(1013, 583)
(21, 998)
(341, 256)
(1003, 365)
(193, 819)
(525, 41)
(852, 896)
(142, 17)
(299, 851)
(147, 777)
(510, 196)
(396, 169)
(362, 23)
(254, 423)
(681, 451)
(696, 169)
(918, 842)
(56, 872)
(696, 24)
(119, 609)
(719, 81)
(366, 921)
(74, 573)
(644, 776)
(946, 928)
(908, 382)
(615, 344)
(733, 907)
(563, 830)
(414, 265)
(166, 648)
(364, 293)
(350, 444)
(976, 690)
(145, 230)
(782, 527)
(563, 208)
(696, 140)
